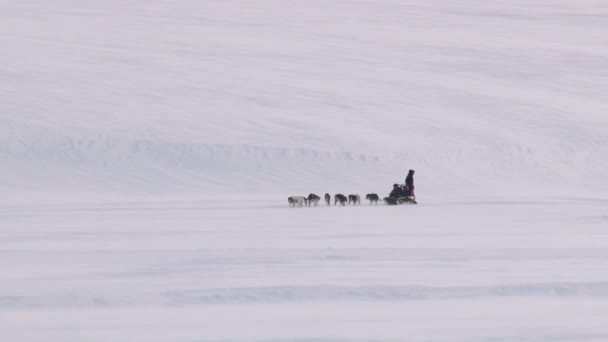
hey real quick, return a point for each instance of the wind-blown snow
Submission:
(147, 149)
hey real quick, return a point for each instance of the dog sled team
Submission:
(400, 194)
(339, 199)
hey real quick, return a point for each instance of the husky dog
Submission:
(354, 199)
(313, 199)
(372, 198)
(300, 201)
(340, 198)
(327, 199)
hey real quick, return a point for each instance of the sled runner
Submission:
(400, 200)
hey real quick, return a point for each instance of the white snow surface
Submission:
(147, 150)
(161, 97)
(236, 270)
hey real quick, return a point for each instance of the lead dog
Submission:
(300, 201)
(340, 198)
(354, 199)
(327, 199)
(372, 198)
(313, 199)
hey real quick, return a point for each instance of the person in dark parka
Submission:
(397, 192)
(409, 184)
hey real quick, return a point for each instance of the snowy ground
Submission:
(459, 270)
(147, 149)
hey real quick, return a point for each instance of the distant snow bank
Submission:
(156, 167)
(210, 97)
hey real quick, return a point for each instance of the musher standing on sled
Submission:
(409, 184)
(403, 194)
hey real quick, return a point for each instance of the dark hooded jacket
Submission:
(409, 180)
(396, 193)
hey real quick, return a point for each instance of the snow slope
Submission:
(173, 97)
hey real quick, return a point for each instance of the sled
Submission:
(400, 200)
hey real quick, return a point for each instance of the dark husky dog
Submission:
(327, 199)
(313, 199)
(354, 199)
(372, 198)
(340, 198)
(299, 201)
